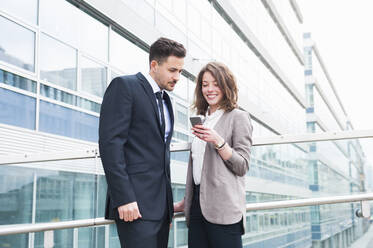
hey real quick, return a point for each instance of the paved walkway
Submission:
(366, 241)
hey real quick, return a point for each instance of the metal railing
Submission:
(41, 227)
(364, 210)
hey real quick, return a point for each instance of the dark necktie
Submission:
(160, 105)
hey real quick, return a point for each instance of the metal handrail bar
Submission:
(312, 137)
(39, 227)
(178, 147)
(310, 202)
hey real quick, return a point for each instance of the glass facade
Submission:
(59, 69)
(17, 49)
(58, 61)
(333, 163)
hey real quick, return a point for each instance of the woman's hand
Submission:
(179, 206)
(207, 134)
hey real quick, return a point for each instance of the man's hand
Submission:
(179, 206)
(129, 212)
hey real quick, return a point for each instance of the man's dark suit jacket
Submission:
(134, 154)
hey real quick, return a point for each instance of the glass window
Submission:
(18, 47)
(17, 81)
(57, 62)
(114, 75)
(101, 194)
(25, 9)
(77, 28)
(61, 19)
(68, 98)
(180, 156)
(67, 122)
(191, 89)
(181, 88)
(181, 233)
(113, 237)
(57, 94)
(170, 30)
(89, 105)
(61, 238)
(17, 109)
(93, 36)
(68, 195)
(181, 115)
(16, 183)
(126, 56)
(93, 77)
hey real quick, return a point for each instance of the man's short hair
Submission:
(162, 48)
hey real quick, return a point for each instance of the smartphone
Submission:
(195, 120)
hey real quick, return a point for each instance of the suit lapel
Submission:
(171, 112)
(149, 91)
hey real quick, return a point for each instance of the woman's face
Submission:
(210, 90)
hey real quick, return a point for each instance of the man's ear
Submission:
(153, 65)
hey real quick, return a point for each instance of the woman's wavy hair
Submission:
(226, 82)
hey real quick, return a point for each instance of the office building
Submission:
(57, 58)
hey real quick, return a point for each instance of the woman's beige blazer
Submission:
(222, 187)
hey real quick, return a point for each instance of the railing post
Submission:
(48, 239)
(364, 211)
(75, 237)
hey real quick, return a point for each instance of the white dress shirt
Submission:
(199, 146)
(167, 117)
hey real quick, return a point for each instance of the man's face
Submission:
(167, 73)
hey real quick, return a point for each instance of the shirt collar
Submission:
(216, 114)
(154, 85)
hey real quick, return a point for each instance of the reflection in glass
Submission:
(180, 156)
(26, 10)
(68, 98)
(63, 196)
(67, 122)
(101, 194)
(181, 116)
(57, 62)
(113, 237)
(87, 104)
(61, 238)
(182, 231)
(17, 109)
(15, 186)
(18, 48)
(93, 77)
(14, 80)
(18, 240)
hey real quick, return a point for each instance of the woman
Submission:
(214, 202)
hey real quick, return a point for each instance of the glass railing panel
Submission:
(76, 189)
(18, 240)
(49, 191)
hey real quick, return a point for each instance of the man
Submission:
(135, 131)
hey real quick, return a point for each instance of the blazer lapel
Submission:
(151, 96)
(171, 112)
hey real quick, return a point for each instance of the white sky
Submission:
(343, 32)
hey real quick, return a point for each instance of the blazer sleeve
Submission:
(241, 144)
(115, 120)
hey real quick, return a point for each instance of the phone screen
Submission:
(196, 120)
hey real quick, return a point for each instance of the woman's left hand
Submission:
(207, 134)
